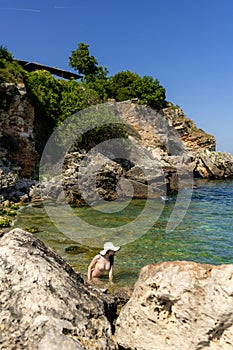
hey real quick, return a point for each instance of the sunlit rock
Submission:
(179, 305)
(44, 303)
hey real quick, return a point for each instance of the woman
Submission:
(102, 262)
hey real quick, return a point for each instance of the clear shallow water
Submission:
(204, 235)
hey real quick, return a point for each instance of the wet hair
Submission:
(111, 260)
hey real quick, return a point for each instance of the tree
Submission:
(127, 85)
(85, 64)
(5, 54)
(122, 86)
(151, 93)
(45, 92)
(10, 70)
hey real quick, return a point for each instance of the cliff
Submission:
(18, 130)
(193, 137)
(170, 144)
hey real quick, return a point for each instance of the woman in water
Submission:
(102, 262)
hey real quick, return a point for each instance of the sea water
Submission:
(205, 233)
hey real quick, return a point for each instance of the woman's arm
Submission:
(111, 274)
(91, 266)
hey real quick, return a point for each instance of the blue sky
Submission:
(186, 44)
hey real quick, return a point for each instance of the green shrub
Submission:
(10, 70)
(127, 85)
(91, 127)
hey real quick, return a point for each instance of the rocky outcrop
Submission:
(17, 125)
(161, 158)
(7, 179)
(45, 304)
(178, 143)
(179, 305)
(15, 189)
(147, 165)
(172, 148)
(213, 165)
(98, 177)
(193, 138)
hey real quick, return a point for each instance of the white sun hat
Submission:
(109, 246)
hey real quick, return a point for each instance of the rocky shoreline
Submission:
(167, 147)
(45, 304)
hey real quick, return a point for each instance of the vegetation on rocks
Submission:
(10, 70)
(5, 222)
(56, 99)
(8, 211)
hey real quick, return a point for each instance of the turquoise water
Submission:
(204, 235)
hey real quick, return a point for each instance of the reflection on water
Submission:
(205, 234)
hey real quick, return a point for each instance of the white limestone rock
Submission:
(179, 305)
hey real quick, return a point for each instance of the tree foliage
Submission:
(76, 97)
(151, 93)
(56, 99)
(86, 64)
(91, 127)
(127, 85)
(5, 54)
(10, 70)
(46, 91)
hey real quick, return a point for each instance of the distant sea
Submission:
(204, 235)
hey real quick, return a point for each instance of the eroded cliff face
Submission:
(17, 130)
(152, 132)
(193, 138)
(172, 142)
(176, 141)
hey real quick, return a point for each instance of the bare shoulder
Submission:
(97, 257)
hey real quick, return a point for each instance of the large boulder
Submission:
(44, 303)
(179, 305)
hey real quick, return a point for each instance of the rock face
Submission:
(45, 303)
(179, 305)
(15, 189)
(101, 178)
(17, 125)
(213, 165)
(173, 146)
(168, 151)
(193, 137)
